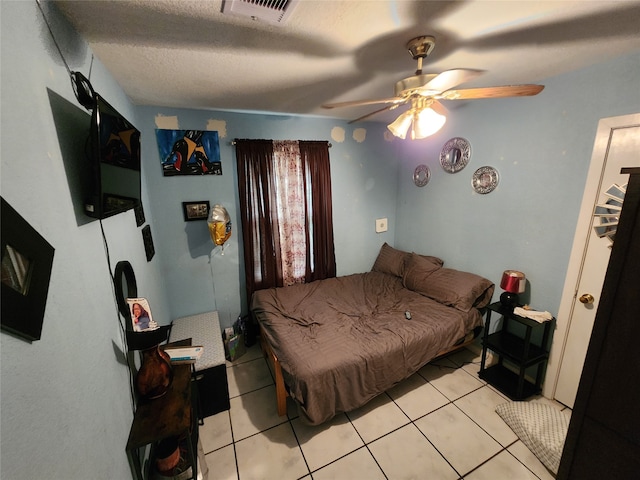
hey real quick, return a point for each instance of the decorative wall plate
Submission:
(455, 154)
(485, 180)
(421, 175)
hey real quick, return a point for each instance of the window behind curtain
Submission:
(286, 212)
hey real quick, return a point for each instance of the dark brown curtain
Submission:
(321, 261)
(259, 218)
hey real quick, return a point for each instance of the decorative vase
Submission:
(167, 455)
(155, 374)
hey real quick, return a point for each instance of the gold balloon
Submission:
(220, 232)
(219, 223)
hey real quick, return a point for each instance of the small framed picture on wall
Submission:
(195, 210)
(147, 239)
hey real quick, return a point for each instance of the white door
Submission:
(617, 145)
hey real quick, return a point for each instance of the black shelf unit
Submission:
(175, 414)
(520, 352)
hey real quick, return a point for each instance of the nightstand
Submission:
(518, 351)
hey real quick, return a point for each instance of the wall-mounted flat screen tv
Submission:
(114, 152)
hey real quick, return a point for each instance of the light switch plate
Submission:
(381, 225)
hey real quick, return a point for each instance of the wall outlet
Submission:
(381, 225)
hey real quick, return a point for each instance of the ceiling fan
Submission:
(423, 92)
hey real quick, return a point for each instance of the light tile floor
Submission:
(438, 424)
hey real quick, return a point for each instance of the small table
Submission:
(168, 416)
(210, 370)
(521, 352)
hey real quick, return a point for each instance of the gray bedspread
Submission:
(344, 340)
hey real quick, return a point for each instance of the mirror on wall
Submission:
(124, 280)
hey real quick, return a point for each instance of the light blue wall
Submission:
(198, 276)
(66, 405)
(65, 402)
(541, 147)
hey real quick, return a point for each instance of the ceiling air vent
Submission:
(274, 11)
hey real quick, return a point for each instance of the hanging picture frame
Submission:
(27, 261)
(189, 152)
(193, 211)
(147, 239)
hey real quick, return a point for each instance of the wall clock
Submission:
(421, 175)
(455, 154)
(485, 180)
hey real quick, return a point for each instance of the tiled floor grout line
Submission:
(311, 472)
(376, 460)
(304, 457)
(233, 444)
(252, 391)
(486, 461)
(427, 438)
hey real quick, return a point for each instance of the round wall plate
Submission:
(455, 154)
(485, 180)
(421, 175)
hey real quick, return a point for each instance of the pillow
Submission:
(417, 269)
(542, 428)
(389, 261)
(461, 290)
(436, 260)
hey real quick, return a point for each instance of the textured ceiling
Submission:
(190, 54)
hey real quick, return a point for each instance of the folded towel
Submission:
(533, 314)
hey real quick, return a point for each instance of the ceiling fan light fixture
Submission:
(400, 125)
(421, 118)
(426, 123)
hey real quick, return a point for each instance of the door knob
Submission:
(586, 298)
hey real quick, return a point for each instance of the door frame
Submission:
(580, 242)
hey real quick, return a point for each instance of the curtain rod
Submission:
(233, 142)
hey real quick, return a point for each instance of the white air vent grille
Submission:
(274, 11)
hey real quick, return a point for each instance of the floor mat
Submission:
(542, 428)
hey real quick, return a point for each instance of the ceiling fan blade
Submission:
(356, 103)
(438, 107)
(492, 92)
(384, 109)
(451, 78)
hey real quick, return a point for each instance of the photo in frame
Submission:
(27, 261)
(141, 317)
(189, 152)
(195, 210)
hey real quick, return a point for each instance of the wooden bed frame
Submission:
(281, 388)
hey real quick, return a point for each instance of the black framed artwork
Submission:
(139, 212)
(27, 260)
(195, 210)
(148, 242)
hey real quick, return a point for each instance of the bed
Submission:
(337, 343)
